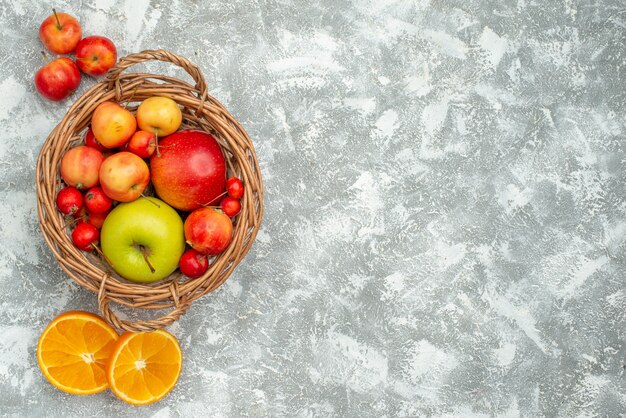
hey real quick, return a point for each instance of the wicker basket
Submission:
(200, 111)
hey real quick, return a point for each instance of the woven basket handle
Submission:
(112, 77)
(141, 326)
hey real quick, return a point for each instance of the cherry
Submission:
(234, 187)
(87, 217)
(96, 201)
(230, 206)
(85, 236)
(69, 200)
(91, 141)
(193, 264)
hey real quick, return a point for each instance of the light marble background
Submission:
(445, 225)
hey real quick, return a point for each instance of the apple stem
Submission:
(130, 99)
(156, 143)
(151, 201)
(145, 257)
(45, 57)
(59, 25)
(99, 251)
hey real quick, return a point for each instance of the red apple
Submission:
(112, 125)
(95, 55)
(208, 231)
(80, 167)
(91, 141)
(85, 236)
(124, 176)
(193, 264)
(142, 144)
(60, 33)
(96, 201)
(190, 171)
(57, 79)
(69, 200)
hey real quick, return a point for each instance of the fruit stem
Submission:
(144, 252)
(45, 57)
(130, 99)
(59, 25)
(99, 251)
(206, 205)
(71, 221)
(151, 201)
(156, 143)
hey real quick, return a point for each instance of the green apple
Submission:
(143, 239)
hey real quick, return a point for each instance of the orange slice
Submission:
(73, 352)
(145, 366)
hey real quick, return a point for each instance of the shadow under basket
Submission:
(200, 111)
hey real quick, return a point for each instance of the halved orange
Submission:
(145, 366)
(73, 352)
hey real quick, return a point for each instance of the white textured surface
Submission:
(445, 225)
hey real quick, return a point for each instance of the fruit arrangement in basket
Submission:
(149, 194)
(106, 178)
